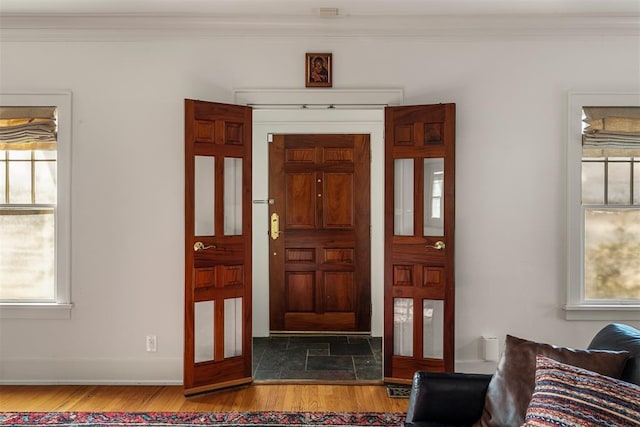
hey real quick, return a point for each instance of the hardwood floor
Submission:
(257, 397)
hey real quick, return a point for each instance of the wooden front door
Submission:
(217, 346)
(419, 241)
(319, 247)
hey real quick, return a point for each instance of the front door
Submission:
(217, 346)
(319, 251)
(419, 227)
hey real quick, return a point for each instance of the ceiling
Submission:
(468, 18)
(311, 7)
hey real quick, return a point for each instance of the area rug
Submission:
(185, 419)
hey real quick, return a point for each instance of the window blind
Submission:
(28, 128)
(611, 131)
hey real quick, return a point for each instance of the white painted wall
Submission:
(127, 179)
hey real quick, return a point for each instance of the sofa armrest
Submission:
(620, 337)
(446, 399)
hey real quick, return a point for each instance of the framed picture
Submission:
(318, 70)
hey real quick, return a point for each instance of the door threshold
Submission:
(319, 333)
(317, 382)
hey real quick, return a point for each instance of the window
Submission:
(34, 205)
(603, 209)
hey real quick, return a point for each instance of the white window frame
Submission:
(60, 306)
(577, 308)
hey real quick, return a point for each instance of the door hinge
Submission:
(269, 137)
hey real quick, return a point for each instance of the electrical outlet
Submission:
(152, 343)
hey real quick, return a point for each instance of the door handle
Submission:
(438, 246)
(199, 246)
(275, 226)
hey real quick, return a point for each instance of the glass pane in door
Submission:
(232, 327)
(434, 197)
(403, 327)
(232, 196)
(433, 329)
(403, 197)
(204, 190)
(203, 335)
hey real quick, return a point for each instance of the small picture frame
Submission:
(318, 70)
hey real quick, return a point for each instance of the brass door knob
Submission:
(439, 245)
(199, 246)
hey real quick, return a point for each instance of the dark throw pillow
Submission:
(512, 385)
(566, 395)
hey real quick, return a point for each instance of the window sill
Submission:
(35, 311)
(602, 312)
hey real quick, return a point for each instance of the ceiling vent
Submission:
(328, 12)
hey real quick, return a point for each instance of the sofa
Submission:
(524, 388)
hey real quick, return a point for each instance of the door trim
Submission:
(343, 98)
(279, 111)
(310, 121)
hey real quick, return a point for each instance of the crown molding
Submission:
(87, 27)
(283, 98)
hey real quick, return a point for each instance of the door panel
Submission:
(300, 201)
(320, 256)
(419, 239)
(338, 201)
(217, 349)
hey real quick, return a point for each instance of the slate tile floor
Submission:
(317, 357)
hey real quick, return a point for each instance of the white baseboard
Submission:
(92, 371)
(476, 366)
(128, 371)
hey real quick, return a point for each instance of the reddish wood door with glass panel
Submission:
(320, 233)
(419, 240)
(217, 346)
